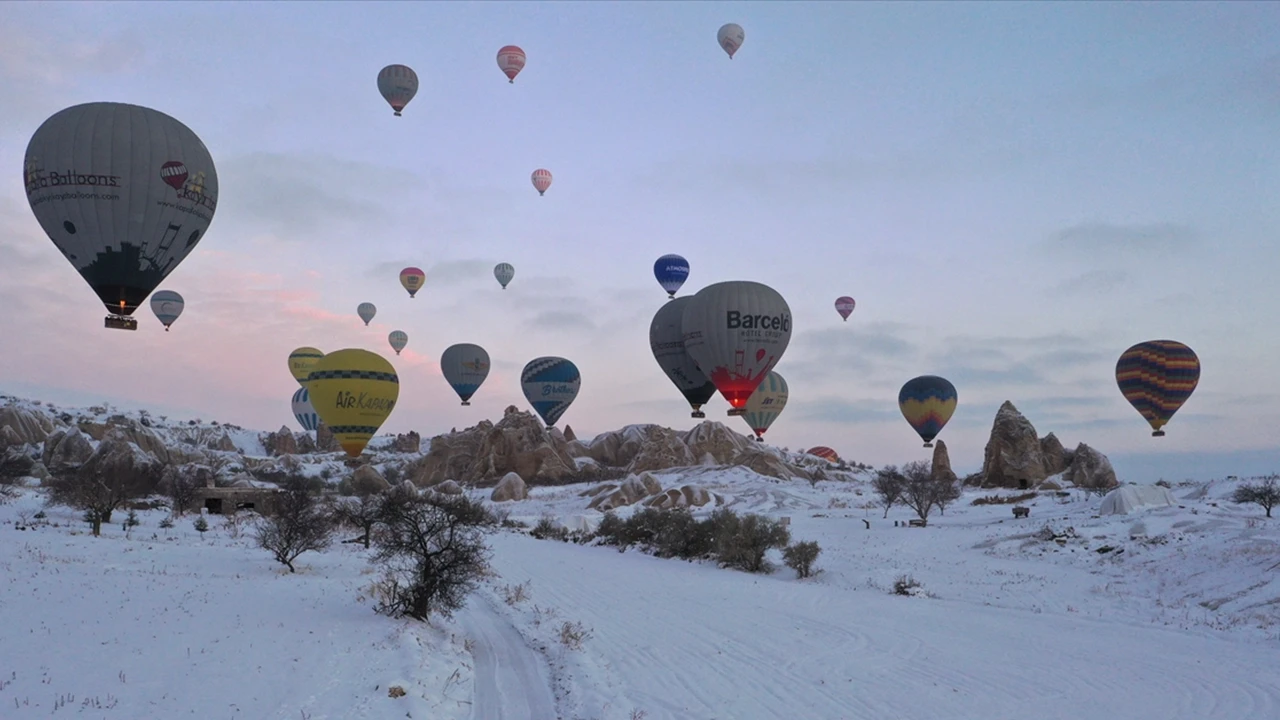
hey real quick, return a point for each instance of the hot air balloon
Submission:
(301, 361)
(504, 272)
(398, 84)
(736, 332)
(125, 193)
(671, 272)
(730, 38)
(927, 403)
(511, 61)
(353, 392)
(844, 306)
(666, 340)
(303, 412)
(412, 278)
(550, 384)
(766, 404)
(1156, 378)
(541, 180)
(366, 311)
(824, 452)
(398, 339)
(167, 305)
(465, 366)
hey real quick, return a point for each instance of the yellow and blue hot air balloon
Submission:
(353, 391)
(927, 403)
(1156, 378)
(301, 360)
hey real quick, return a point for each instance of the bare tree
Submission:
(16, 463)
(920, 491)
(111, 476)
(888, 485)
(181, 482)
(948, 491)
(362, 513)
(300, 523)
(1265, 493)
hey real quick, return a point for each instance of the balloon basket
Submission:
(736, 412)
(698, 414)
(928, 444)
(1158, 433)
(120, 322)
(465, 403)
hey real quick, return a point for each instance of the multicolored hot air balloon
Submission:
(666, 340)
(504, 272)
(303, 412)
(366, 311)
(824, 452)
(398, 84)
(353, 391)
(124, 192)
(541, 180)
(766, 404)
(844, 306)
(301, 361)
(550, 384)
(465, 366)
(1157, 377)
(671, 272)
(398, 339)
(730, 37)
(412, 279)
(511, 61)
(736, 332)
(167, 305)
(927, 403)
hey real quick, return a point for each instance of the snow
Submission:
(1128, 498)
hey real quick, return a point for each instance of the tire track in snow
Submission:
(512, 681)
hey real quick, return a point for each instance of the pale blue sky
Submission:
(1013, 192)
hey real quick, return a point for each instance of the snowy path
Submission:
(512, 681)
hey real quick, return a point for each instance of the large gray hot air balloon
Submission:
(666, 340)
(504, 272)
(737, 331)
(125, 192)
(398, 84)
(465, 366)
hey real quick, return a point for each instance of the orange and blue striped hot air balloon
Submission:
(1156, 378)
(927, 403)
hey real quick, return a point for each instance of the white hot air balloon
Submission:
(167, 305)
(124, 192)
(366, 311)
(504, 272)
(766, 403)
(541, 180)
(511, 61)
(736, 332)
(465, 366)
(398, 339)
(398, 84)
(730, 38)
(303, 412)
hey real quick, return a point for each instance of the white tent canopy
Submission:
(1128, 498)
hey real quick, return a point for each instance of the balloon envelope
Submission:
(398, 84)
(927, 403)
(666, 340)
(730, 36)
(412, 279)
(504, 272)
(671, 272)
(366, 311)
(511, 61)
(736, 332)
(353, 391)
(844, 306)
(541, 180)
(824, 452)
(766, 403)
(167, 305)
(301, 361)
(124, 192)
(550, 384)
(1157, 377)
(465, 366)
(398, 339)
(303, 411)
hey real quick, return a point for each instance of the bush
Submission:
(201, 525)
(742, 541)
(800, 557)
(300, 524)
(547, 529)
(1265, 493)
(906, 585)
(1005, 499)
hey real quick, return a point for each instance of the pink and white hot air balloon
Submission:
(844, 306)
(511, 61)
(541, 180)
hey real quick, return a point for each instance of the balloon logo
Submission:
(671, 272)
(412, 279)
(927, 402)
(550, 384)
(541, 180)
(353, 391)
(301, 361)
(666, 340)
(465, 366)
(398, 339)
(398, 84)
(366, 311)
(511, 61)
(1157, 377)
(303, 412)
(736, 332)
(730, 38)
(174, 174)
(766, 404)
(167, 306)
(844, 306)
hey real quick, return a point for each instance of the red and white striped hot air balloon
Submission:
(511, 61)
(541, 180)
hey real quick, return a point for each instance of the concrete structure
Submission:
(226, 501)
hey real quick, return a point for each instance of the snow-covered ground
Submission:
(1178, 618)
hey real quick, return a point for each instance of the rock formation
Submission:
(1015, 457)
(942, 463)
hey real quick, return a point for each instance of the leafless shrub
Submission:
(105, 482)
(299, 524)
(573, 634)
(888, 485)
(515, 594)
(1265, 493)
(801, 556)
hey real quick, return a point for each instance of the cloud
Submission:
(834, 352)
(1092, 282)
(1100, 237)
(454, 272)
(562, 320)
(850, 412)
(29, 56)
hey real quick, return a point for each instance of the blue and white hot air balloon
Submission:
(465, 366)
(550, 384)
(671, 272)
(304, 412)
(167, 305)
